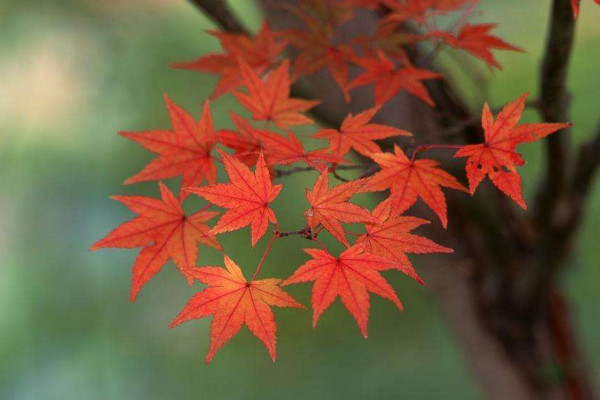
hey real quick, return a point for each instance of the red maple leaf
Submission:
(497, 156)
(476, 40)
(270, 99)
(351, 275)
(186, 150)
(389, 79)
(234, 302)
(357, 133)
(245, 140)
(330, 207)
(260, 52)
(247, 197)
(391, 238)
(165, 231)
(316, 51)
(410, 179)
(280, 150)
(321, 16)
(316, 45)
(388, 39)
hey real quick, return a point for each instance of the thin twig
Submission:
(339, 177)
(278, 173)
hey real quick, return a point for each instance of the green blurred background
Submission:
(74, 73)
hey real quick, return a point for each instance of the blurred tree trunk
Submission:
(500, 295)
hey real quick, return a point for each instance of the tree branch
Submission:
(557, 213)
(554, 106)
(219, 12)
(588, 163)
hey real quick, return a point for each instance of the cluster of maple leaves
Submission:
(258, 74)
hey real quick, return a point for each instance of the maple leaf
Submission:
(316, 45)
(391, 238)
(186, 150)
(270, 99)
(247, 197)
(317, 53)
(245, 140)
(165, 231)
(260, 52)
(388, 39)
(330, 207)
(497, 156)
(409, 180)
(234, 302)
(357, 133)
(351, 275)
(476, 40)
(389, 80)
(321, 16)
(280, 150)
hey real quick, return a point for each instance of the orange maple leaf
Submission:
(391, 238)
(186, 150)
(245, 140)
(409, 180)
(280, 150)
(351, 275)
(247, 197)
(270, 99)
(260, 52)
(357, 133)
(234, 302)
(317, 51)
(316, 45)
(476, 40)
(165, 231)
(497, 156)
(330, 207)
(389, 80)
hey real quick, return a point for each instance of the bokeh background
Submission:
(72, 74)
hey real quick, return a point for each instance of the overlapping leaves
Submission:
(255, 71)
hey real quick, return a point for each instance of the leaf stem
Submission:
(265, 254)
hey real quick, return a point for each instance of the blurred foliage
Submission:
(72, 74)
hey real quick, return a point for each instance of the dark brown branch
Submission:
(554, 107)
(556, 219)
(219, 12)
(588, 162)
